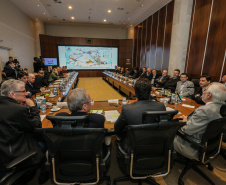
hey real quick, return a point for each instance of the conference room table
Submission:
(185, 107)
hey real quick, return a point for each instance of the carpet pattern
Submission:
(98, 89)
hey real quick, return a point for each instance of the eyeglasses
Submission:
(20, 91)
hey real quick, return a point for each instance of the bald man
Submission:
(163, 79)
(30, 85)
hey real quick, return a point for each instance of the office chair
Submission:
(17, 169)
(69, 121)
(148, 152)
(76, 154)
(196, 83)
(208, 148)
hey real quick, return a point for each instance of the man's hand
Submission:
(184, 118)
(42, 89)
(30, 103)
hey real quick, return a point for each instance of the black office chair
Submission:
(196, 83)
(69, 121)
(208, 148)
(76, 154)
(18, 171)
(149, 151)
(223, 148)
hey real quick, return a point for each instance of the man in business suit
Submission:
(204, 81)
(172, 82)
(162, 81)
(40, 80)
(144, 72)
(185, 87)
(30, 85)
(214, 97)
(10, 70)
(154, 76)
(131, 114)
(149, 74)
(136, 73)
(79, 103)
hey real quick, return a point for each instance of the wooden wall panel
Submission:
(160, 38)
(152, 39)
(49, 48)
(198, 37)
(168, 30)
(208, 40)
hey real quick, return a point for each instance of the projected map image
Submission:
(75, 57)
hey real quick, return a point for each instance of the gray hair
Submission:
(10, 86)
(218, 92)
(41, 72)
(76, 99)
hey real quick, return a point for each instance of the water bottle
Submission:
(162, 92)
(55, 91)
(180, 98)
(173, 98)
(43, 108)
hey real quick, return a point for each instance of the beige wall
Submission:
(17, 33)
(88, 32)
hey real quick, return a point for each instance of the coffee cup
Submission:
(55, 107)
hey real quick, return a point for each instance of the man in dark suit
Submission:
(10, 71)
(10, 60)
(136, 73)
(154, 76)
(131, 114)
(204, 82)
(149, 74)
(162, 81)
(79, 103)
(172, 82)
(143, 73)
(40, 80)
(22, 76)
(30, 85)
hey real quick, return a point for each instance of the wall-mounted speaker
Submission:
(89, 41)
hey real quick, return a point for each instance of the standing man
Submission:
(172, 82)
(10, 60)
(162, 81)
(204, 81)
(185, 87)
(10, 70)
(214, 97)
(40, 80)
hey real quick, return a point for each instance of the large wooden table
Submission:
(105, 106)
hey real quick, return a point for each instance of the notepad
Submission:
(112, 115)
(189, 106)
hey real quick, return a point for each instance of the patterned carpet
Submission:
(98, 89)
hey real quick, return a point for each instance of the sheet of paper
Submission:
(42, 117)
(62, 103)
(112, 115)
(113, 101)
(189, 106)
(97, 111)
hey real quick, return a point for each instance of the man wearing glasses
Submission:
(19, 117)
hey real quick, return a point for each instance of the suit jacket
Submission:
(53, 77)
(162, 82)
(195, 127)
(135, 75)
(10, 72)
(131, 114)
(95, 120)
(31, 89)
(197, 96)
(188, 89)
(172, 83)
(150, 76)
(17, 131)
(39, 82)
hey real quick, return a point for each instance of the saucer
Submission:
(54, 110)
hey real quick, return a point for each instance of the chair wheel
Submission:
(210, 167)
(180, 182)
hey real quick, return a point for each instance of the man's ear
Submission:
(84, 107)
(12, 95)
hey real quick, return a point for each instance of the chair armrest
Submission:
(20, 159)
(194, 144)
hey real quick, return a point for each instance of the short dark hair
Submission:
(21, 74)
(136, 68)
(142, 89)
(184, 74)
(177, 70)
(208, 78)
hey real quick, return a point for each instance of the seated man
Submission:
(40, 80)
(149, 74)
(214, 96)
(10, 70)
(64, 70)
(30, 85)
(127, 72)
(22, 76)
(143, 73)
(135, 73)
(203, 82)
(19, 117)
(132, 113)
(223, 80)
(79, 103)
(185, 87)
(162, 81)
(172, 82)
(154, 76)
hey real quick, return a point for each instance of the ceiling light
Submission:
(38, 4)
(72, 17)
(48, 19)
(44, 13)
(109, 11)
(105, 20)
(70, 7)
(131, 25)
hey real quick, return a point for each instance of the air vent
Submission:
(120, 8)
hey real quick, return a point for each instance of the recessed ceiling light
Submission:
(72, 17)
(109, 11)
(142, 5)
(70, 7)
(48, 19)
(131, 25)
(124, 23)
(44, 13)
(105, 20)
(38, 4)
